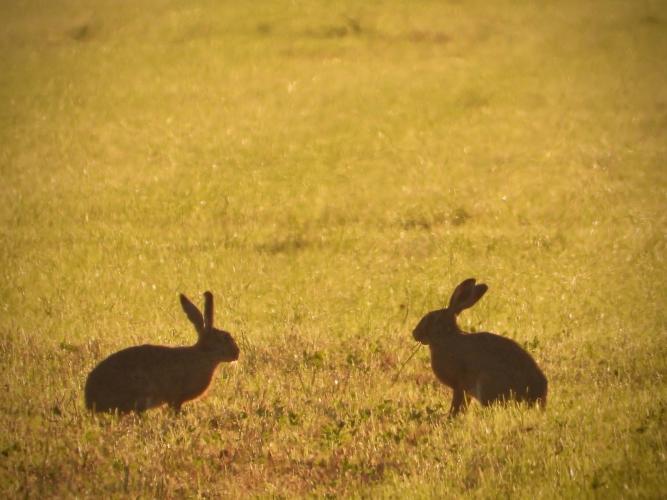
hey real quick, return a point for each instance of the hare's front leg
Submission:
(176, 406)
(459, 402)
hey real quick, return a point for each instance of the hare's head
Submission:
(443, 321)
(211, 340)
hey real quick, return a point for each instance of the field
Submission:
(331, 170)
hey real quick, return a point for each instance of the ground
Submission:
(331, 170)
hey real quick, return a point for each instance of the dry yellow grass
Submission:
(331, 172)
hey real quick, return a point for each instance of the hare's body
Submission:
(485, 366)
(143, 377)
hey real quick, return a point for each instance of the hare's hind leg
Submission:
(492, 388)
(542, 401)
(540, 393)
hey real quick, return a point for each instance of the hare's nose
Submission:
(418, 335)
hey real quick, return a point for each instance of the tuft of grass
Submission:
(331, 172)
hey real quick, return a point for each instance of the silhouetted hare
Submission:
(147, 376)
(485, 366)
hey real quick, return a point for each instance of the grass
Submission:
(331, 171)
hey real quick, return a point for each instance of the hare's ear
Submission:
(466, 295)
(478, 293)
(208, 311)
(194, 315)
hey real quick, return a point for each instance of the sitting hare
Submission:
(485, 366)
(143, 377)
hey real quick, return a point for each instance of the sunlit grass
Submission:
(331, 172)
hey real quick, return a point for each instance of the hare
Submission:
(142, 377)
(486, 366)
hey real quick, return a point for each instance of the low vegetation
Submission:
(331, 172)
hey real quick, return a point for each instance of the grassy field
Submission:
(331, 170)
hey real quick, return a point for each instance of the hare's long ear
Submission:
(478, 293)
(208, 311)
(466, 295)
(194, 315)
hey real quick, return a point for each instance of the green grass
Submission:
(331, 171)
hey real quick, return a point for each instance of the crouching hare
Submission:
(142, 377)
(485, 366)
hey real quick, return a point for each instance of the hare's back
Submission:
(502, 355)
(137, 357)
